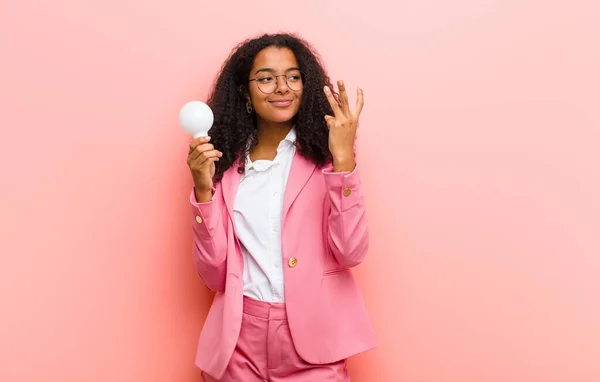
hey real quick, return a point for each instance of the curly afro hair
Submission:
(234, 131)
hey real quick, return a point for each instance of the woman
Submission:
(279, 219)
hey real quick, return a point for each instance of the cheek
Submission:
(255, 96)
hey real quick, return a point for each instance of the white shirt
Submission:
(257, 219)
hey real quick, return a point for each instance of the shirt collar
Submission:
(291, 135)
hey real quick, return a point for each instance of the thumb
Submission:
(330, 121)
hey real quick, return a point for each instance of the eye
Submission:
(294, 77)
(265, 80)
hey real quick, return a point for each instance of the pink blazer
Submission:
(324, 234)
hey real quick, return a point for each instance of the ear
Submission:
(244, 93)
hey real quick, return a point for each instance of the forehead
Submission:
(279, 59)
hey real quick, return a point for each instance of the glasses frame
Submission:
(277, 82)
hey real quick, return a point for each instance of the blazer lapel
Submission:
(300, 172)
(229, 185)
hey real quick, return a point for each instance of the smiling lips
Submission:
(281, 102)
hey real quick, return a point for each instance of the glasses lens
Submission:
(294, 81)
(268, 84)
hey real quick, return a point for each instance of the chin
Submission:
(284, 119)
(279, 117)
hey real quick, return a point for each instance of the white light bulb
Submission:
(196, 118)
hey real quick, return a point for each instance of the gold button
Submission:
(199, 219)
(347, 192)
(292, 263)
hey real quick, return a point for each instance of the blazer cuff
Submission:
(343, 187)
(203, 214)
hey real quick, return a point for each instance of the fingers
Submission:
(344, 109)
(200, 149)
(360, 101)
(198, 141)
(203, 152)
(204, 161)
(200, 157)
(332, 101)
(208, 160)
(344, 98)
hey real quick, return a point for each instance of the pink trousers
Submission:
(265, 351)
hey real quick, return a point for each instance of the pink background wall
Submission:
(480, 148)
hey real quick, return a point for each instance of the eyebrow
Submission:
(273, 70)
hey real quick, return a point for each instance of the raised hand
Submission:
(342, 127)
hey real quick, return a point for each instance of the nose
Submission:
(282, 86)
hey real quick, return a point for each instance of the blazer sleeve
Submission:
(210, 240)
(348, 236)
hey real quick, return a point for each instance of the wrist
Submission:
(202, 193)
(203, 196)
(344, 165)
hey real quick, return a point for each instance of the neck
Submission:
(270, 134)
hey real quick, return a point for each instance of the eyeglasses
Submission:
(268, 84)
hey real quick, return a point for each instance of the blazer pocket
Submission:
(335, 271)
